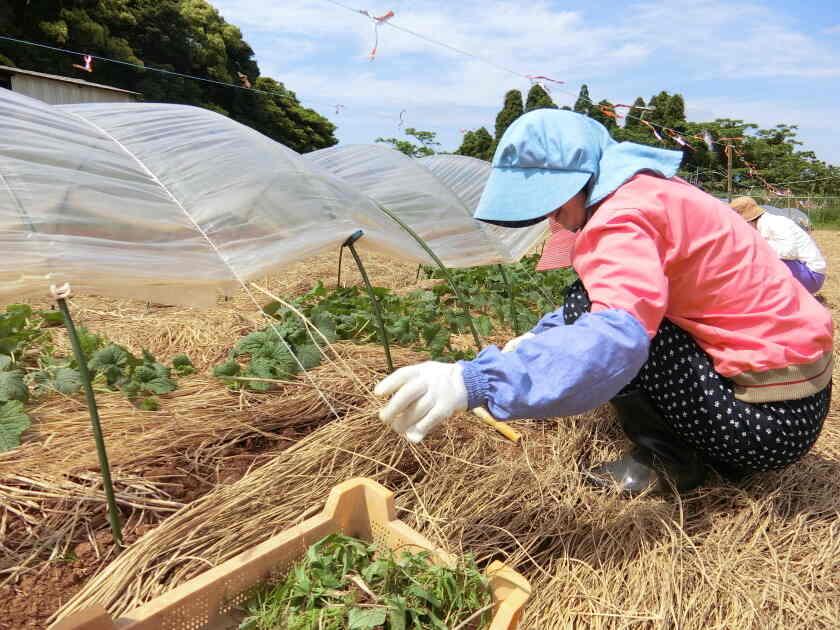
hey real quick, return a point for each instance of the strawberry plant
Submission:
(13, 422)
(425, 319)
(485, 289)
(276, 353)
(21, 330)
(29, 366)
(344, 583)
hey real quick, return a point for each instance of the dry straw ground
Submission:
(215, 472)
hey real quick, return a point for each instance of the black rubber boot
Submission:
(659, 461)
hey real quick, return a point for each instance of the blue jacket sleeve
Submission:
(563, 371)
(549, 320)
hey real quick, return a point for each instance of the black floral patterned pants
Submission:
(699, 404)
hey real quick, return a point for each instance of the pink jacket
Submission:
(661, 248)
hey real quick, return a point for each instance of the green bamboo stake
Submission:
(443, 269)
(377, 312)
(512, 302)
(113, 513)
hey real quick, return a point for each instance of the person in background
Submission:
(790, 242)
(794, 214)
(711, 353)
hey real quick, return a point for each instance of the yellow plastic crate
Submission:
(359, 507)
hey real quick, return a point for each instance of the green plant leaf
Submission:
(149, 404)
(13, 422)
(252, 343)
(436, 338)
(89, 341)
(228, 368)
(366, 618)
(154, 378)
(325, 323)
(397, 612)
(5, 362)
(67, 381)
(309, 356)
(271, 308)
(51, 318)
(182, 365)
(483, 325)
(113, 361)
(12, 386)
(418, 591)
(260, 368)
(401, 331)
(160, 386)
(144, 373)
(148, 357)
(131, 390)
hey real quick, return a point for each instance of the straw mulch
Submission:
(766, 553)
(763, 553)
(51, 488)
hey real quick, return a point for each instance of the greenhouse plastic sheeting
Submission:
(161, 202)
(794, 214)
(417, 197)
(466, 177)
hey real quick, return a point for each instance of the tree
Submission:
(583, 104)
(538, 98)
(511, 110)
(669, 110)
(184, 36)
(477, 144)
(764, 155)
(635, 113)
(602, 112)
(426, 139)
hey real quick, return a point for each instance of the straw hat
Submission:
(747, 208)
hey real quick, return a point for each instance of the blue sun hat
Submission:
(548, 155)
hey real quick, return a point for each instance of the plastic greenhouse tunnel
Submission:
(178, 205)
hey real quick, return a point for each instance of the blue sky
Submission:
(770, 62)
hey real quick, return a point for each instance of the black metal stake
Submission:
(443, 269)
(377, 312)
(113, 513)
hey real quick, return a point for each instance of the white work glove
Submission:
(426, 395)
(513, 344)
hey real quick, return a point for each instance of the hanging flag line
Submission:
(377, 22)
(244, 85)
(88, 67)
(542, 80)
(673, 134)
(755, 173)
(137, 66)
(386, 19)
(808, 181)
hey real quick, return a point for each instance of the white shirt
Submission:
(790, 241)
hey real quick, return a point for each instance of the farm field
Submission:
(216, 470)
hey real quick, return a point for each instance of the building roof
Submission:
(57, 77)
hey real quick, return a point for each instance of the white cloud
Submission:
(738, 40)
(319, 50)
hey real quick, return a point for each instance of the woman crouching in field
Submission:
(684, 318)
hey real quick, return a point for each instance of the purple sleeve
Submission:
(563, 371)
(811, 280)
(549, 320)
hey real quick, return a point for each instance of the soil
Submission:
(35, 597)
(30, 601)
